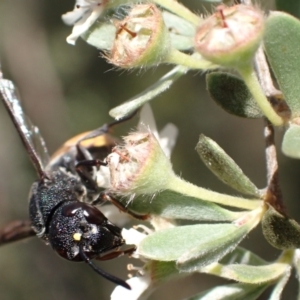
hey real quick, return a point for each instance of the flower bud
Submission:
(142, 39)
(280, 231)
(231, 35)
(139, 166)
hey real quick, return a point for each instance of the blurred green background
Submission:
(67, 90)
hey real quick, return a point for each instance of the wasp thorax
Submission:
(231, 35)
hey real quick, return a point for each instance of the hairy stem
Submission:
(273, 194)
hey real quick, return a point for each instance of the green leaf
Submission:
(224, 167)
(236, 291)
(192, 246)
(253, 274)
(242, 256)
(249, 274)
(212, 250)
(162, 271)
(280, 231)
(282, 46)
(159, 87)
(172, 205)
(231, 93)
(100, 35)
(181, 31)
(291, 141)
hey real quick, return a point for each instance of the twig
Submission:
(264, 75)
(273, 194)
(15, 231)
(273, 94)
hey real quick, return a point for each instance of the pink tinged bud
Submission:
(142, 38)
(139, 166)
(231, 35)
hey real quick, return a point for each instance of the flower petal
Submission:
(167, 138)
(147, 121)
(139, 289)
(83, 17)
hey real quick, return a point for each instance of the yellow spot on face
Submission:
(77, 236)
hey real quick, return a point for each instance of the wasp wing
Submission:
(30, 136)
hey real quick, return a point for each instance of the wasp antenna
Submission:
(107, 276)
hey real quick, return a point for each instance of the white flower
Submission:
(84, 15)
(141, 286)
(134, 237)
(166, 137)
(139, 289)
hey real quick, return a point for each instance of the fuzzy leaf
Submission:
(236, 291)
(291, 141)
(181, 31)
(248, 274)
(192, 246)
(172, 205)
(100, 35)
(154, 90)
(224, 167)
(212, 250)
(282, 46)
(162, 270)
(280, 231)
(242, 256)
(231, 93)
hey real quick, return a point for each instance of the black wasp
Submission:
(62, 201)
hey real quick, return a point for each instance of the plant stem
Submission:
(248, 74)
(181, 186)
(190, 61)
(149, 93)
(273, 194)
(15, 231)
(286, 256)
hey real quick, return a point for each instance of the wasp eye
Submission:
(91, 213)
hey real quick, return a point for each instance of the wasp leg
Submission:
(15, 231)
(86, 168)
(105, 196)
(116, 254)
(86, 173)
(87, 179)
(91, 163)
